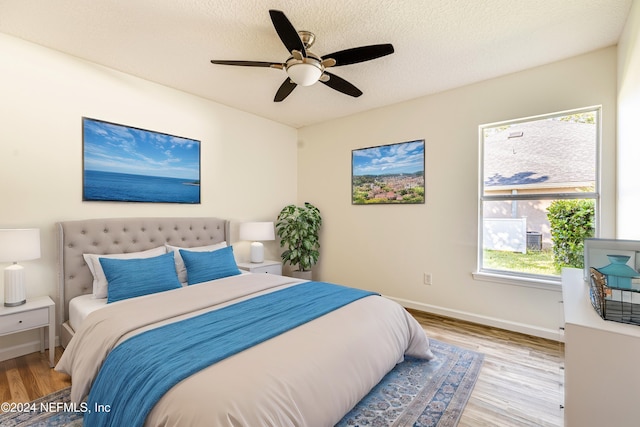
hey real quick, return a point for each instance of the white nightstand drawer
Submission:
(10, 323)
(271, 267)
(35, 313)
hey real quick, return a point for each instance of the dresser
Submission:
(36, 313)
(602, 369)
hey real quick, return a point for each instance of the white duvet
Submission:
(309, 376)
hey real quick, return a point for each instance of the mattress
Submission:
(308, 376)
(80, 307)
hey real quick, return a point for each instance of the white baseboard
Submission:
(21, 349)
(536, 331)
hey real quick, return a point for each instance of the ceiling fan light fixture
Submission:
(304, 73)
(303, 67)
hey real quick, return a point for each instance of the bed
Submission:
(241, 349)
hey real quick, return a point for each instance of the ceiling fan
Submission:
(304, 67)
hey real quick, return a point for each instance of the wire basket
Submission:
(611, 303)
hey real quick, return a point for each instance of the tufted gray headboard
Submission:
(122, 235)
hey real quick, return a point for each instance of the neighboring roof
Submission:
(548, 152)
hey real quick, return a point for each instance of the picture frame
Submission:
(129, 164)
(388, 174)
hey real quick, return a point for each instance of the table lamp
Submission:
(17, 245)
(257, 232)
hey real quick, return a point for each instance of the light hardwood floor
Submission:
(520, 383)
(29, 377)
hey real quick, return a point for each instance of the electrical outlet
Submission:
(427, 278)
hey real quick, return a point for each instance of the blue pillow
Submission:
(205, 266)
(128, 278)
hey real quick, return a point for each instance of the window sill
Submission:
(550, 284)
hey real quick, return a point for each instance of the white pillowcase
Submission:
(100, 285)
(180, 267)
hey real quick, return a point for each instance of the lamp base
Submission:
(257, 252)
(14, 293)
(15, 304)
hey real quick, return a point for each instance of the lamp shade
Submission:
(19, 244)
(257, 231)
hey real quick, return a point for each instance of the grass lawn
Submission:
(534, 262)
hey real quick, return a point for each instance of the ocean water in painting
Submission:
(123, 187)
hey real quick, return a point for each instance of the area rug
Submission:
(415, 393)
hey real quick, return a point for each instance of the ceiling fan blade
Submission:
(285, 89)
(360, 54)
(287, 32)
(341, 85)
(250, 63)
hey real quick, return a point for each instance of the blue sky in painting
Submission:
(110, 147)
(406, 157)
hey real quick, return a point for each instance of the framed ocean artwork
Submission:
(128, 164)
(388, 174)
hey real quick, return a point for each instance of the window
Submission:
(538, 193)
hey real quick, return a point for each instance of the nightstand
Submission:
(271, 267)
(35, 313)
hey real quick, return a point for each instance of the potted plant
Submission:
(297, 227)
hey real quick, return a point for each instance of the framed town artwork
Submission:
(388, 174)
(128, 164)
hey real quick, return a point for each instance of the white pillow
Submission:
(100, 285)
(180, 267)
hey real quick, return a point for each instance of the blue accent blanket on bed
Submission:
(139, 371)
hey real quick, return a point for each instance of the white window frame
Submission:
(522, 278)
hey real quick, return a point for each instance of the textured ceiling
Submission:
(439, 44)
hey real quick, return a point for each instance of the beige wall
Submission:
(629, 128)
(248, 163)
(388, 248)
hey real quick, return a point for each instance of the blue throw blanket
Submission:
(138, 372)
